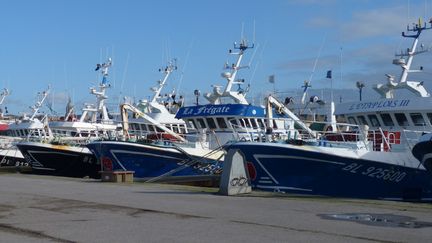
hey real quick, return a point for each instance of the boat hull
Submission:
(298, 169)
(12, 157)
(423, 152)
(149, 161)
(60, 160)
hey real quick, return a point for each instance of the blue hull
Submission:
(423, 152)
(287, 168)
(149, 161)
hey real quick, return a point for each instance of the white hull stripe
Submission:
(259, 156)
(284, 187)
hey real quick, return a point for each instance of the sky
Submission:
(59, 43)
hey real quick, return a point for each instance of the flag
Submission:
(271, 79)
(329, 74)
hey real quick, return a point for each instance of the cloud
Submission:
(369, 38)
(312, 2)
(320, 22)
(380, 22)
(373, 23)
(376, 22)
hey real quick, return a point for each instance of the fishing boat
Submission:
(65, 154)
(33, 127)
(154, 119)
(382, 153)
(4, 119)
(227, 116)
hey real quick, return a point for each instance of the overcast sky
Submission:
(59, 43)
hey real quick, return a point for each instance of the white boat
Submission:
(5, 120)
(154, 119)
(65, 153)
(32, 127)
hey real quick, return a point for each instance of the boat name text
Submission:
(375, 172)
(379, 104)
(205, 110)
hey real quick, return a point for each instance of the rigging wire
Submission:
(124, 77)
(255, 66)
(184, 66)
(317, 58)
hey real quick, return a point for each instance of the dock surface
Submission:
(55, 209)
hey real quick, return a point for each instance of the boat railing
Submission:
(143, 130)
(256, 131)
(73, 141)
(285, 130)
(411, 137)
(386, 141)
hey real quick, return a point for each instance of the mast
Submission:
(167, 71)
(306, 86)
(3, 95)
(404, 60)
(230, 75)
(411, 52)
(40, 100)
(100, 95)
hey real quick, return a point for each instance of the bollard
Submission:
(235, 178)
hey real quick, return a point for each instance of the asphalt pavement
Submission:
(54, 209)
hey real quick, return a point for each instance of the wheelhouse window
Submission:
(233, 121)
(362, 120)
(211, 123)
(429, 116)
(247, 123)
(192, 124)
(401, 119)
(175, 129)
(254, 124)
(201, 123)
(221, 122)
(386, 118)
(182, 128)
(261, 123)
(417, 119)
(351, 120)
(242, 123)
(374, 120)
(158, 129)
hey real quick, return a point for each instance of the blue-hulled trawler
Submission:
(210, 126)
(383, 153)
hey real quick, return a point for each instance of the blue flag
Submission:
(329, 74)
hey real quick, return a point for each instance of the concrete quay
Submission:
(55, 209)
